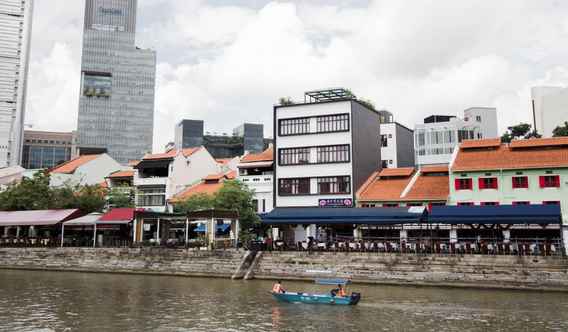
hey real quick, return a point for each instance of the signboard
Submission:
(335, 202)
(97, 85)
(111, 11)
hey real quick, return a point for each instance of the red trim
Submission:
(551, 203)
(522, 203)
(481, 183)
(467, 184)
(489, 203)
(523, 184)
(553, 181)
(466, 204)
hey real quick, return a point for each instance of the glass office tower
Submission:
(116, 103)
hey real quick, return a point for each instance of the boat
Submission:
(327, 298)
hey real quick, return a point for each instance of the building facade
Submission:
(523, 172)
(15, 34)
(322, 149)
(397, 145)
(116, 103)
(248, 137)
(550, 108)
(45, 149)
(83, 170)
(437, 138)
(158, 177)
(256, 170)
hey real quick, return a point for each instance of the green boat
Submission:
(330, 298)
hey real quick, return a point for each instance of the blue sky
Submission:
(231, 60)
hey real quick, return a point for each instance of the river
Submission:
(65, 301)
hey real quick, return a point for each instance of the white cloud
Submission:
(229, 63)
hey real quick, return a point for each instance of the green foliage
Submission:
(522, 130)
(119, 198)
(234, 195)
(36, 194)
(285, 101)
(561, 130)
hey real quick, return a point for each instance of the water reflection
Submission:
(50, 301)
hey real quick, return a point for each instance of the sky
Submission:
(228, 62)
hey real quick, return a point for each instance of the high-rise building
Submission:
(47, 149)
(550, 108)
(248, 137)
(15, 33)
(116, 104)
(437, 138)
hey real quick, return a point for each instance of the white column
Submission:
(453, 236)
(506, 236)
(357, 233)
(94, 235)
(134, 224)
(275, 233)
(62, 233)
(186, 231)
(18, 231)
(158, 232)
(565, 239)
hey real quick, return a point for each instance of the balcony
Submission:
(151, 181)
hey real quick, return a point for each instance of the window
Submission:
(551, 203)
(414, 204)
(549, 181)
(255, 205)
(333, 154)
(384, 141)
(263, 205)
(297, 186)
(384, 164)
(334, 185)
(487, 183)
(151, 196)
(489, 203)
(464, 184)
(465, 204)
(294, 156)
(520, 182)
(332, 123)
(478, 118)
(390, 205)
(298, 126)
(521, 203)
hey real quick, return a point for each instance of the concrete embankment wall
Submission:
(457, 271)
(125, 260)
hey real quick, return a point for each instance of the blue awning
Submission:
(499, 214)
(202, 228)
(337, 216)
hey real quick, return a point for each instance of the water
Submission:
(58, 301)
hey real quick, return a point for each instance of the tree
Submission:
(196, 202)
(235, 195)
(561, 130)
(522, 130)
(90, 198)
(285, 101)
(119, 198)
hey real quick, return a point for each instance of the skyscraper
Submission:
(15, 33)
(116, 103)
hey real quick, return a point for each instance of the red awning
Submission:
(117, 216)
(37, 217)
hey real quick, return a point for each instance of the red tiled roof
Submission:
(266, 155)
(429, 188)
(122, 174)
(231, 175)
(171, 154)
(404, 171)
(480, 143)
(504, 157)
(133, 163)
(211, 177)
(539, 142)
(434, 169)
(118, 214)
(71, 166)
(223, 161)
(210, 185)
(377, 188)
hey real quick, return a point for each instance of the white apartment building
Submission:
(15, 34)
(437, 138)
(83, 170)
(326, 148)
(256, 170)
(158, 177)
(550, 108)
(397, 143)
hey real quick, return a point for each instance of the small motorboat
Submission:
(328, 298)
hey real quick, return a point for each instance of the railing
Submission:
(30, 242)
(152, 181)
(517, 246)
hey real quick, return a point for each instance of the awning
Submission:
(202, 228)
(117, 216)
(37, 217)
(87, 220)
(499, 214)
(335, 216)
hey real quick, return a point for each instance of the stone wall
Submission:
(125, 260)
(458, 271)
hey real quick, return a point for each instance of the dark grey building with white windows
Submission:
(116, 104)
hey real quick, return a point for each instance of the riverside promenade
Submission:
(477, 271)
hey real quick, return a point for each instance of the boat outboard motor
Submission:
(355, 297)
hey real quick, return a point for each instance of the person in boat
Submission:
(339, 291)
(277, 288)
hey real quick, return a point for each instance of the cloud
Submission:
(227, 62)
